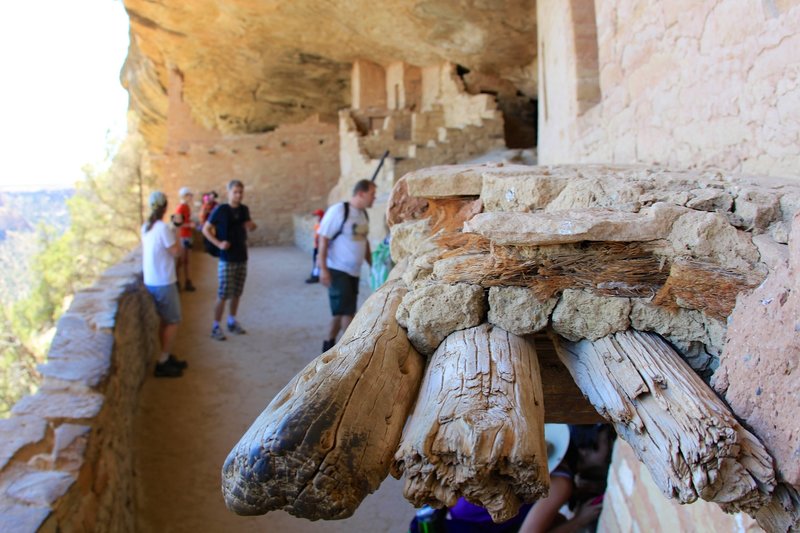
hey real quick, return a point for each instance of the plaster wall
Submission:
(711, 83)
(368, 85)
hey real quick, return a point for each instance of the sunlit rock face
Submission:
(251, 65)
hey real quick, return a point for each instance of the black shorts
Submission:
(343, 293)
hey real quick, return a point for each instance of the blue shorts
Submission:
(231, 279)
(168, 302)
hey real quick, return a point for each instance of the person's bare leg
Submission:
(168, 334)
(346, 319)
(234, 306)
(336, 325)
(219, 308)
(186, 278)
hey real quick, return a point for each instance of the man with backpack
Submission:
(343, 247)
(227, 229)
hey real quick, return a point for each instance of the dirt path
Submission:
(185, 427)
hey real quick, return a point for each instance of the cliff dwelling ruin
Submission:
(593, 215)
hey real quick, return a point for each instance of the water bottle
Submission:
(426, 520)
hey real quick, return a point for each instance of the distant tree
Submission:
(105, 213)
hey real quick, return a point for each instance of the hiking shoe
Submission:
(189, 287)
(313, 279)
(167, 370)
(236, 328)
(174, 361)
(217, 334)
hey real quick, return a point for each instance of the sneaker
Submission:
(216, 334)
(167, 370)
(236, 328)
(189, 287)
(174, 361)
(313, 279)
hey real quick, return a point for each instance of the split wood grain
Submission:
(327, 439)
(687, 437)
(478, 427)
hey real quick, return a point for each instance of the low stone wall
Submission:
(65, 452)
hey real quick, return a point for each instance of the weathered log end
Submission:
(327, 439)
(478, 427)
(690, 441)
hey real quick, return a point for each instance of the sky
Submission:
(60, 97)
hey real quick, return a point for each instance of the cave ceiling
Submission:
(251, 65)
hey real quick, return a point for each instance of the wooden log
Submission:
(692, 444)
(327, 439)
(478, 427)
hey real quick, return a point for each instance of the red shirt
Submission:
(185, 231)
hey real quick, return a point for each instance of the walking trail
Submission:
(185, 427)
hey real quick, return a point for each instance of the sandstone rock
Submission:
(432, 312)
(759, 368)
(40, 488)
(710, 199)
(407, 239)
(60, 404)
(757, 207)
(772, 252)
(518, 310)
(420, 269)
(709, 236)
(443, 181)
(15, 517)
(575, 226)
(521, 190)
(17, 432)
(697, 337)
(402, 207)
(88, 371)
(611, 193)
(75, 337)
(583, 315)
(779, 231)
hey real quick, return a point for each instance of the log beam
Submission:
(478, 427)
(688, 438)
(327, 439)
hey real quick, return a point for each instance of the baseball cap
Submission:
(556, 436)
(185, 191)
(318, 213)
(157, 199)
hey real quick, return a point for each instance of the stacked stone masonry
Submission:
(676, 253)
(65, 452)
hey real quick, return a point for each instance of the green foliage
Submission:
(106, 214)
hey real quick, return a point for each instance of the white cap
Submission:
(157, 199)
(185, 191)
(556, 436)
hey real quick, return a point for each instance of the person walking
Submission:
(227, 229)
(160, 248)
(343, 247)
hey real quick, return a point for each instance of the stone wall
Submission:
(678, 83)
(66, 462)
(286, 171)
(632, 502)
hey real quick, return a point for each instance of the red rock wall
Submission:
(632, 502)
(286, 171)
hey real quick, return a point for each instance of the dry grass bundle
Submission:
(456, 243)
(705, 286)
(608, 268)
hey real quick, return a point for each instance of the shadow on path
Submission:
(185, 427)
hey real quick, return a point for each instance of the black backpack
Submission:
(344, 220)
(208, 245)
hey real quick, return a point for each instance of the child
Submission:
(314, 277)
(185, 232)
